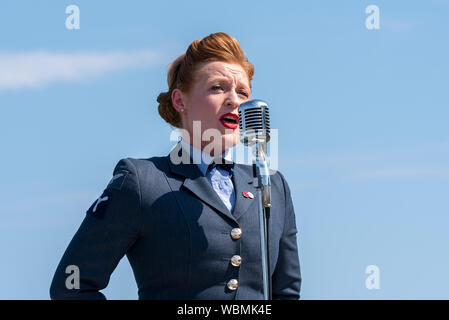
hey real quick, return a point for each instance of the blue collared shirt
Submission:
(220, 180)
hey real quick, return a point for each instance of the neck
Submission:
(206, 147)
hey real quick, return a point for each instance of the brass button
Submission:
(233, 284)
(236, 233)
(236, 260)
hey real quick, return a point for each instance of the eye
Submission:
(217, 87)
(244, 94)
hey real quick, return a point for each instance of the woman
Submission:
(189, 228)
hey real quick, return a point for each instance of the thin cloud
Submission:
(40, 68)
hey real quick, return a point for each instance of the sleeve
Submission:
(286, 279)
(110, 227)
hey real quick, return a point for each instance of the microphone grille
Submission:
(254, 120)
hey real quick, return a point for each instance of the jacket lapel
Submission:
(180, 163)
(243, 181)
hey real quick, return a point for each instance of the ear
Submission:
(178, 98)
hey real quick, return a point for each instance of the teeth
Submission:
(229, 118)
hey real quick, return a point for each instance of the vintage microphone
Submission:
(254, 122)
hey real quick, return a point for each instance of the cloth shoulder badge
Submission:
(98, 207)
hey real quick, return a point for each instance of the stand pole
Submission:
(263, 191)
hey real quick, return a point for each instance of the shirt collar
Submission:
(203, 160)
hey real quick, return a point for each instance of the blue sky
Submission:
(362, 118)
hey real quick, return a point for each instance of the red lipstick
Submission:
(230, 120)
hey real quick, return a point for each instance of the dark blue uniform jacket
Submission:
(176, 233)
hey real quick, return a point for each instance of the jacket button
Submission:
(236, 260)
(233, 284)
(236, 233)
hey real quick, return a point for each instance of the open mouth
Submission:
(230, 120)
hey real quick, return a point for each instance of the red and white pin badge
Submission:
(248, 194)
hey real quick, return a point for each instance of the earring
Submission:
(182, 109)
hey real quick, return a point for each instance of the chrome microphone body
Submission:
(254, 122)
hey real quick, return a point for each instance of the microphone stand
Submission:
(262, 173)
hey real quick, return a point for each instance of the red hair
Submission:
(215, 47)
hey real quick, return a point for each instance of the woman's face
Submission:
(213, 100)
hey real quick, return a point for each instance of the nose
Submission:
(232, 100)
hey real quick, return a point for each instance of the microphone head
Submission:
(254, 122)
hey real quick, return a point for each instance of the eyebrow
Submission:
(214, 78)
